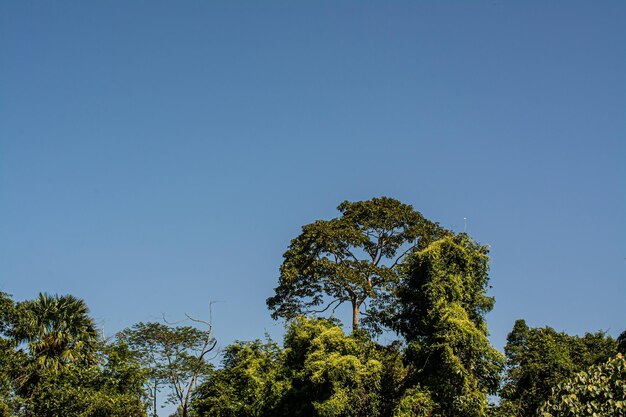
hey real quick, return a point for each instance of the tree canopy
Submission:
(597, 391)
(57, 330)
(440, 310)
(174, 356)
(420, 288)
(538, 359)
(352, 258)
(52, 363)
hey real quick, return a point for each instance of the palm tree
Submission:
(57, 330)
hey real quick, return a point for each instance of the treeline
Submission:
(404, 277)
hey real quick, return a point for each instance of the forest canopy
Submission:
(424, 287)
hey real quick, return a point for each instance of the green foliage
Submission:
(349, 259)
(331, 374)
(538, 359)
(415, 402)
(249, 384)
(346, 368)
(598, 391)
(7, 311)
(440, 312)
(78, 391)
(57, 329)
(16, 371)
(174, 356)
(4, 409)
(6, 353)
(395, 268)
(59, 368)
(112, 386)
(320, 372)
(121, 372)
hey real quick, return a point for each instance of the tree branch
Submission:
(328, 306)
(399, 258)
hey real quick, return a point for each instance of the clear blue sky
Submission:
(158, 155)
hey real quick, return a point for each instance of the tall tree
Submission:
(175, 356)
(440, 310)
(57, 330)
(351, 259)
(538, 359)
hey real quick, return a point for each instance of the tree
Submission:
(175, 356)
(597, 391)
(416, 402)
(112, 388)
(334, 375)
(441, 303)
(320, 372)
(7, 308)
(14, 365)
(538, 359)
(51, 363)
(57, 330)
(146, 340)
(6, 353)
(250, 383)
(351, 259)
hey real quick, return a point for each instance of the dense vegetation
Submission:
(402, 275)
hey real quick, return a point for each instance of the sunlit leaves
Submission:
(440, 312)
(598, 391)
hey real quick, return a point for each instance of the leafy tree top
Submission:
(57, 330)
(352, 258)
(597, 391)
(441, 303)
(540, 358)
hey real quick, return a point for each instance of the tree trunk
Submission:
(355, 315)
(154, 410)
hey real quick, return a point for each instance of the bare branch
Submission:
(172, 323)
(329, 305)
(197, 320)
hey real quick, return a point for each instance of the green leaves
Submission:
(598, 391)
(111, 390)
(250, 384)
(174, 356)
(319, 372)
(416, 402)
(440, 312)
(57, 330)
(395, 268)
(352, 259)
(330, 374)
(538, 359)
